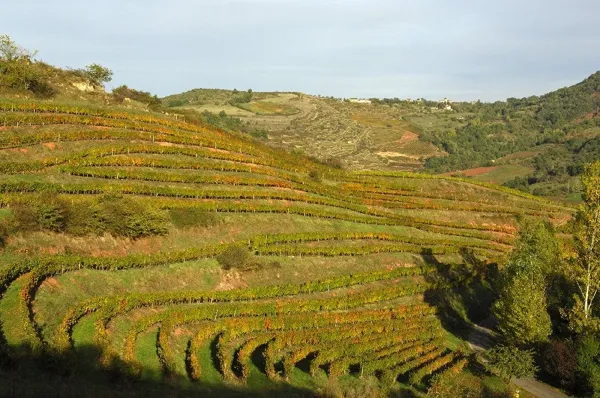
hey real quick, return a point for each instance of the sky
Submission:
(463, 50)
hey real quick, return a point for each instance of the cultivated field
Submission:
(347, 272)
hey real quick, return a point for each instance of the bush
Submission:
(52, 215)
(315, 175)
(509, 362)
(125, 217)
(175, 103)
(452, 385)
(260, 134)
(559, 362)
(24, 217)
(235, 256)
(588, 366)
(19, 71)
(241, 98)
(47, 212)
(85, 218)
(122, 92)
(186, 217)
(520, 183)
(148, 222)
(334, 162)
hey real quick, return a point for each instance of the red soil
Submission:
(407, 137)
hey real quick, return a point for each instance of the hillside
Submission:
(536, 144)
(357, 136)
(545, 139)
(181, 257)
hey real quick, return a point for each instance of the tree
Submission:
(509, 361)
(521, 308)
(11, 51)
(19, 71)
(584, 267)
(588, 365)
(537, 241)
(98, 73)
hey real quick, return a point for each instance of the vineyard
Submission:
(336, 281)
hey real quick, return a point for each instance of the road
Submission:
(481, 339)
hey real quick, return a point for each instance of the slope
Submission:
(184, 255)
(536, 144)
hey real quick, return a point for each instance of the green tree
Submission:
(521, 307)
(537, 240)
(98, 73)
(588, 365)
(584, 267)
(18, 70)
(12, 52)
(509, 361)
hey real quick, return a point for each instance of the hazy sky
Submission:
(348, 48)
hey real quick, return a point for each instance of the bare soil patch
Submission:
(407, 137)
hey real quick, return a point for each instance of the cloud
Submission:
(432, 48)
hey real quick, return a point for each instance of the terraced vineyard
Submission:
(341, 281)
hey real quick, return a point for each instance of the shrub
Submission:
(241, 98)
(52, 216)
(125, 217)
(122, 92)
(336, 163)
(148, 222)
(588, 366)
(47, 212)
(235, 256)
(509, 362)
(84, 218)
(19, 71)
(559, 362)
(186, 217)
(175, 103)
(315, 175)
(24, 217)
(451, 385)
(260, 134)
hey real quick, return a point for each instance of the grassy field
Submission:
(119, 231)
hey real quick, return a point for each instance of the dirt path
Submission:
(481, 339)
(538, 389)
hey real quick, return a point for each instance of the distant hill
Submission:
(536, 144)
(548, 137)
(354, 135)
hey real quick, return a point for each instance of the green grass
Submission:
(5, 213)
(13, 332)
(268, 108)
(145, 354)
(504, 173)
